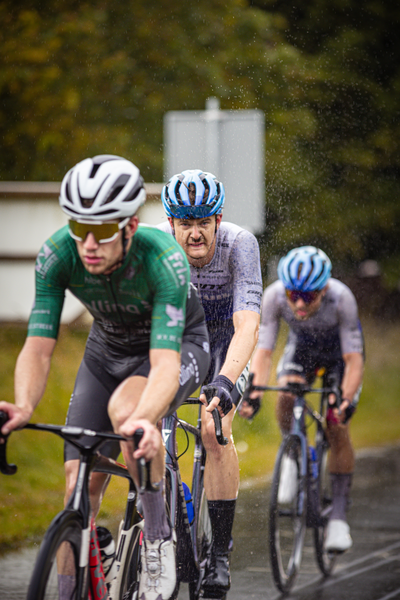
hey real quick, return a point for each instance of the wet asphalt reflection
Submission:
(370, 570)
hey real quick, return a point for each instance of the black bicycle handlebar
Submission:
(295, 388)
(209, 393)
(5, 467)
(71, 433)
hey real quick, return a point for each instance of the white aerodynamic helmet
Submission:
(102, 188)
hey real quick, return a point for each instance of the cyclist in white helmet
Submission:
(225, 269)
(324, 332)
(147, 349)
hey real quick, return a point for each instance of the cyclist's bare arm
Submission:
(241, 347)
(260, 366)
(352, 379)
(31, 373)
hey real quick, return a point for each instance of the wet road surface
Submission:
(370, 570)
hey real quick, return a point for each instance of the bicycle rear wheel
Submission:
(287, 515)
(325, 560)
(57, 569)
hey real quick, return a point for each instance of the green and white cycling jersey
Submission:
(146, 303)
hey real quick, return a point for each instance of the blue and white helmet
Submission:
(193, 194)
(304, 269)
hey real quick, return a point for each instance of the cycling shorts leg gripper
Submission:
(194, 366)
(88, 408)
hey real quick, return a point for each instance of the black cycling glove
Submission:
(255, 403)
(349, 411)
(221, 387)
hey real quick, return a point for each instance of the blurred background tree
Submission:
(80, 78)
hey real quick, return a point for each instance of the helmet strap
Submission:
(124, 244)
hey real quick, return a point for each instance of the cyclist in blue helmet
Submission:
(324, 332)
(225, 268)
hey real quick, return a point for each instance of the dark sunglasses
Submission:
(103, 232)
(307, 297)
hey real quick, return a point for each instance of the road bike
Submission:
(309, 504)
(70, 545)
(187, 507)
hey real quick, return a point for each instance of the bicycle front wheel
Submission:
(287, 516)
(57, 574)
(325, 560)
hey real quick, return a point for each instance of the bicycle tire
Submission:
(64, 534)
(326, 560)
(202, 537)
(287, 521)
(172, 501)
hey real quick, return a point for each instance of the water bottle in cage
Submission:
(107, 553)
(189, 502)
(313, 462)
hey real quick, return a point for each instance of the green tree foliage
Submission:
(337, 183)
(80, 78)
(83, 78)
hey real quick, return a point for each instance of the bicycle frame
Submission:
(304, 504)
(190, 563)
(79, 504)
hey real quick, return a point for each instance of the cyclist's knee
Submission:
(71, 475)
(210, 442)
(122, 404)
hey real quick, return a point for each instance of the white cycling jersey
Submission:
(232, 280)
(336, 317)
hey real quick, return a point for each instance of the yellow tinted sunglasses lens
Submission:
(103, 232)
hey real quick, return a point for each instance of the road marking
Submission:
(391, 595)
(341, 576)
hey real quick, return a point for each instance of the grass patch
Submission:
(30, 499)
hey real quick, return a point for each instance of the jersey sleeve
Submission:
(270, 319)
(246, 269)
(44, 320)
(351, 337)
(170, 277)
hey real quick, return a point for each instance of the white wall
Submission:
(26, 221)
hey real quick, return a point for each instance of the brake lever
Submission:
(210, 392)
(144, 472)
(5, 467)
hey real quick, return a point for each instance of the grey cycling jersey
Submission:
(232, 280)
(337, 316)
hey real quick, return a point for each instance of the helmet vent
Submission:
(94, 170)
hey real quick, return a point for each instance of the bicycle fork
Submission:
(297, 430)
(98, 584)
(90, 550)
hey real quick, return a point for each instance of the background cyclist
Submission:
(225, 268)
(324, 331)
(148, 335)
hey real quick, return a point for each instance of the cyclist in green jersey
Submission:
(147, 348)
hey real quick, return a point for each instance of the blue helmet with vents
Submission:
(305, 269)
(193, 194)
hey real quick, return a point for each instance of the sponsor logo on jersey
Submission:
(92, 280)
(175, 315)
(104, 306)
(190, 370)
(45, 259)
(179, 268)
